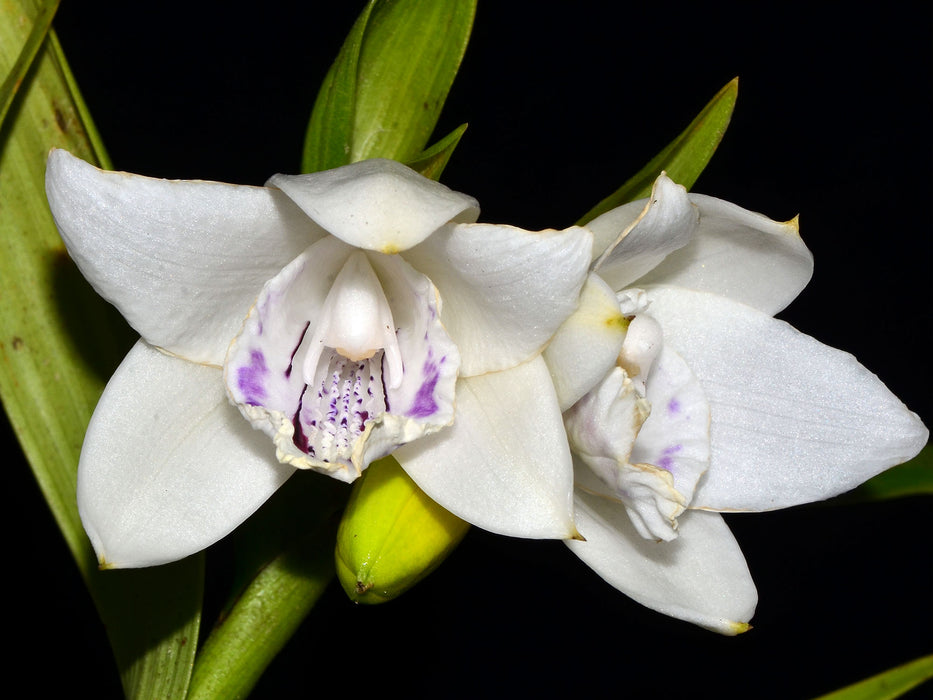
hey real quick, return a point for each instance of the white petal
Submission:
(505, 291)
(676, 436)
(793, 420)
(587, 344)
(739, 254)
(168, 466)
(181, 260)
(504, 464)
(667, 221)
(700, 577)
(608, 228)
(377, 204)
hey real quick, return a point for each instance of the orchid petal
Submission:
(646, 493)
(643, 343)
(586, 345)
(505, 291)
(602, 428)
(793, 420)
(377, 204)
(331, 408)
(603, 425)
(423, 401)
(739, 254)
(168, 465)
(608, 228)
(701, 577)
(181, 260)
(504, 464)
(676, 435)
(667, 221)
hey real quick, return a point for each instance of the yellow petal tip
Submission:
(575, 535)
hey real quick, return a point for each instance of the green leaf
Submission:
(889, 684)
(59, 342)
(11, 83)
(913, 478)
(432, 161)
(152, 617)
(391, 78)
(330, 132)
(684, 158)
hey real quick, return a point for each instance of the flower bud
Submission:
(391, 535)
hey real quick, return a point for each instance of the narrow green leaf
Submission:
(59, 342)
(263, 619)
(433, 160)
(409, 59)
(82, 113)
(684, 158)
(152, 618)
(887, 685)
(913, 478)
(330, 131)
(384, 93)
(13, 79)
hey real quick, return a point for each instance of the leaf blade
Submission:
(408, 62)
(329, 135)
(684, 158)
(432, 161)
(384, 93)
(888, 684)
(60, 342)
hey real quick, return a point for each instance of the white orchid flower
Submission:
(683, 396)
(346, 315)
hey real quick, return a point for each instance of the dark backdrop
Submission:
(564, 101)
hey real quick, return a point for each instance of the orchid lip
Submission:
(342, 359)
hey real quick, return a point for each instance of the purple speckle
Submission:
(673, 407)
(667, 457)
(424, 404)
(291, 360)
(250, 379)
(333, 415)
(299, 437)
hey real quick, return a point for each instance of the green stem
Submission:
(246, 641)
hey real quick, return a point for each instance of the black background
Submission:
(564, 102)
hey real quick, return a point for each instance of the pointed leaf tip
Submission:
(385, 91)
(684, 158)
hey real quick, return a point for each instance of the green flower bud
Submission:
(391, 535)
